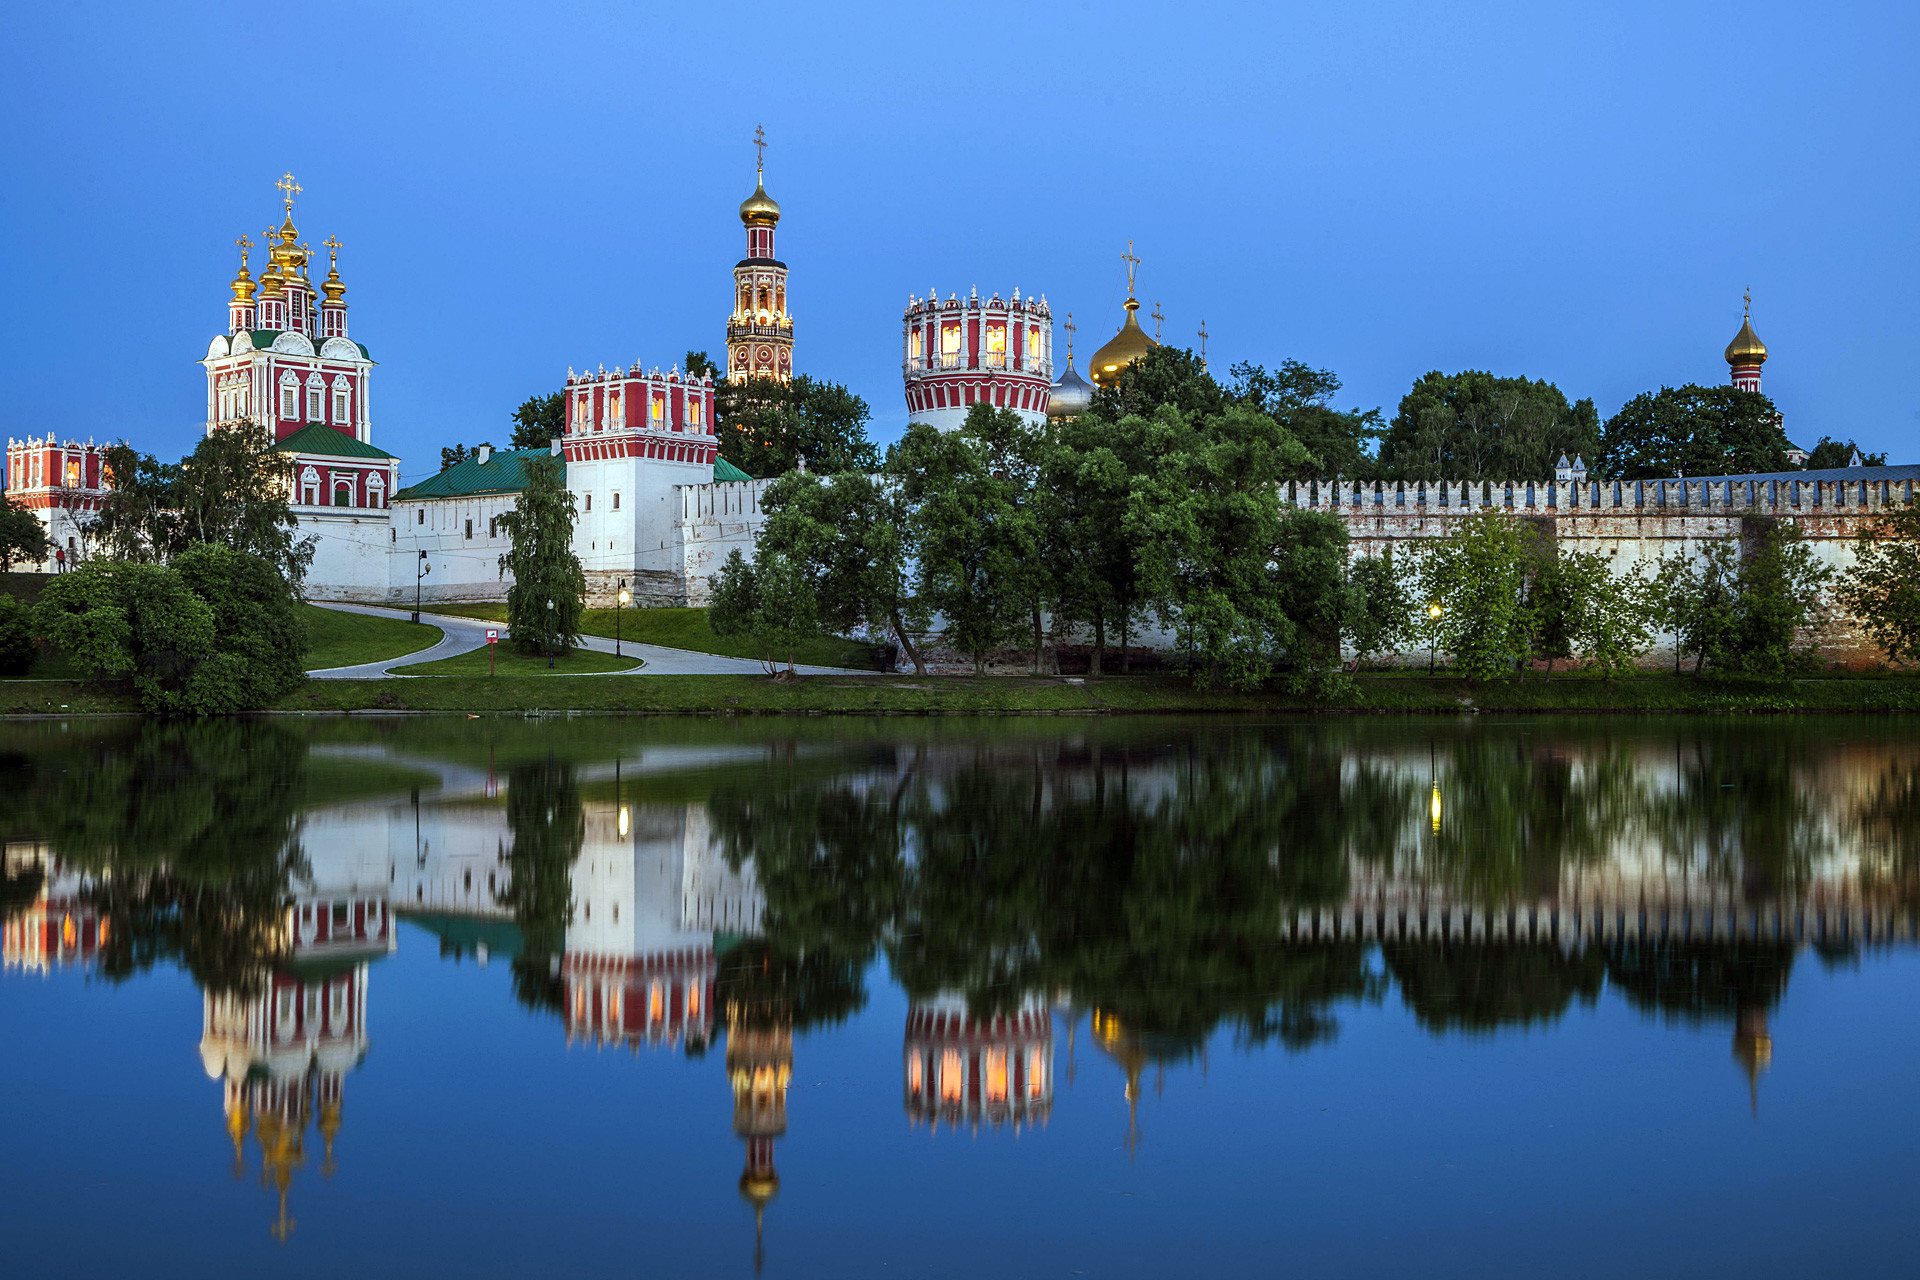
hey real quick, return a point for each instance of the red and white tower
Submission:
(63, 482)
(956, 354)
(287, 363)
(760, 330)
(1746, 353)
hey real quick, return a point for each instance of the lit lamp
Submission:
(549, 635)
(620, 602)
(1433, 612)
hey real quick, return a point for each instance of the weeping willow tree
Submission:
(545, 602)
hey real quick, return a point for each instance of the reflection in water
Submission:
(1166, 882)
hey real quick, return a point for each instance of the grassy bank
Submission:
(336, 639)
(961, 695)
(683, 629)
(510, 663)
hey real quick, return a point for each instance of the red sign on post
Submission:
(493, 638)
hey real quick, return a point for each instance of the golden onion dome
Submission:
(333, 286)
(1071, 395)
(760, 209)
(1746, 347)
(1122, 349)
(243, 285)
(271, 282)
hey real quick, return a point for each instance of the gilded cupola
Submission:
(1130, 343)
(243, 285)
(1746, 347)
(760, 209)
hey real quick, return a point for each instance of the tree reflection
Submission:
(549, 827)
(1487, 986)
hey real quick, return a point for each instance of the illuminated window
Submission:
(953, 1076)
(693, 1003)
(1033, 342)
(914, 1070)
(613, 407)
(996, 1073)
(613, 1006)
(73, 472)
(658, 409)
(997, 339)
(950, 344)
(694, 408)
(913, 343)
(582, 410)
(1036, 1072)
(656, 1002)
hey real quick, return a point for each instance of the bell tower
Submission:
(760, 331)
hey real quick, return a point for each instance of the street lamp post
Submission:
(1433, 639)
(619, 603)
(418, 578)
(549, 635)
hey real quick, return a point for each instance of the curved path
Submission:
(464, 635)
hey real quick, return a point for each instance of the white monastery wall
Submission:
(463, 542)
(351, 548)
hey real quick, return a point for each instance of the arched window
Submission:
(310, 487)
(342, 493)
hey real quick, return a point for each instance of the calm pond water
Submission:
(1149, 998)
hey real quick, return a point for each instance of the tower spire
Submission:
(1158, 321)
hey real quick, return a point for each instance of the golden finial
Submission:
(1069, 337)
(332, 245)
(289, 188)
(760, 148)
(1203, 344)
(1158, 320)
(1746, 304)
(1133, 266)
(245, 244)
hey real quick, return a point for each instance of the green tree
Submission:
(1882, 587)
(1477, 576)
(1380, 606)
(22, 536)
(1164, 376)
(256, 619)
(848, 532)
(767, 426)
(547, 596)
(1748, 607)
(141, 624)
(1093, 485)
(973, 544)
(771, 601)
(1476, 426)
(1214, 515)
(1693, 431)
(17, 648)
(1299, 397)
(1581, 608)
(1311, 589)
(231, 491)
(538, 422)
(1830, 454)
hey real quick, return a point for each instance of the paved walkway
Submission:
(464, 635)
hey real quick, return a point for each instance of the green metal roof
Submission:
(504, 472)
(318, 437)
(263, 338)
(725, 472)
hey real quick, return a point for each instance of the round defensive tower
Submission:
(962, 352)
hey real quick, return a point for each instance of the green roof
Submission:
(263, 338)
(725, 472)
(318, 437)
(504, 472)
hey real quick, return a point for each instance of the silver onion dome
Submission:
(1071, 395)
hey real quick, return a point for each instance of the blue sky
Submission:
(1578, 193)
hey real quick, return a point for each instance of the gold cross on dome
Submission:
(1746, 304)
(760, 147)
(245, 244)
(1203, 343)
(1133, 266)
(1158, 320)
(1069, 337)
(289, 188)
(332, 246)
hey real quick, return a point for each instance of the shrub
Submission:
(16, 637)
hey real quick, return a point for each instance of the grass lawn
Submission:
(1024, 695)
(336, 639)
(514, 664)
(685, 629)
